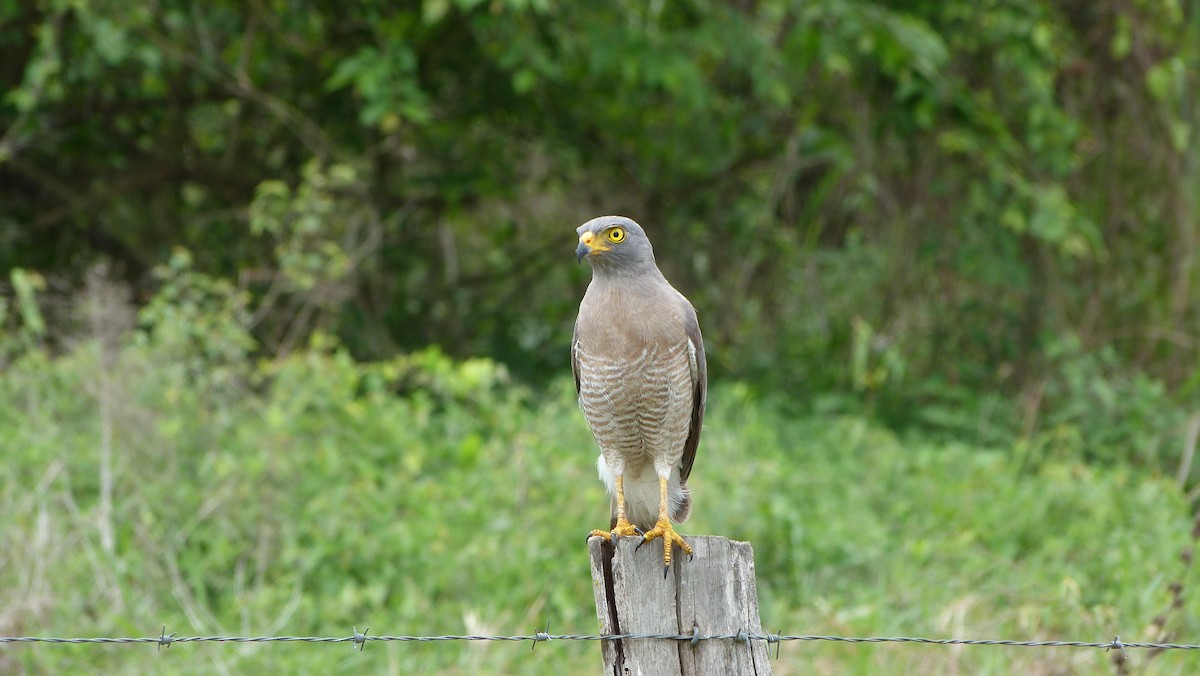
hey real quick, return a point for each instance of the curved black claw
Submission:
(665, 569)
(644, 541)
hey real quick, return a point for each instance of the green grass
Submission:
(421, 496)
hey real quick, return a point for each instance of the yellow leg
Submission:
(622, 527)
(663, 529)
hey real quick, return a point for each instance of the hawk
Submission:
(641, 377)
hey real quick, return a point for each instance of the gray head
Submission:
(615, 245)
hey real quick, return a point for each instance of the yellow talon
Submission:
(623, 527)
(663, 529)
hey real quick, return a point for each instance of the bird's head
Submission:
(614, 244)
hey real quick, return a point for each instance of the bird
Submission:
(642, 381)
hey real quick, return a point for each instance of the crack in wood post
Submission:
(715, 593)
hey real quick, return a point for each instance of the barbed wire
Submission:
(360, 640)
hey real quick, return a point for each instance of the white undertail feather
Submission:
(641, 494)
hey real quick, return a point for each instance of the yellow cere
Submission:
(590, 240)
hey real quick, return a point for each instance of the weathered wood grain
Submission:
(714, 592)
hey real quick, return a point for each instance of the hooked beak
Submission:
(585, 245)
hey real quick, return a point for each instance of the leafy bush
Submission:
(970, 180)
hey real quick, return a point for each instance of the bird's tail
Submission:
(683, 508)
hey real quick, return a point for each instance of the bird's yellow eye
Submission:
(616, 235)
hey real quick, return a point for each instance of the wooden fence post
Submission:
(714, 592)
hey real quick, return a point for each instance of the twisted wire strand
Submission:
(361, 639)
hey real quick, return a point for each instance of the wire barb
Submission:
(774, 638)
(360, 640)
(164, 639)
(541, 636)
(1116, 643)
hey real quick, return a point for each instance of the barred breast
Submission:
(639, 406)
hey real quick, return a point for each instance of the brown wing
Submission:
(699, 391)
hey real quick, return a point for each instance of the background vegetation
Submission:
(288, 289)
